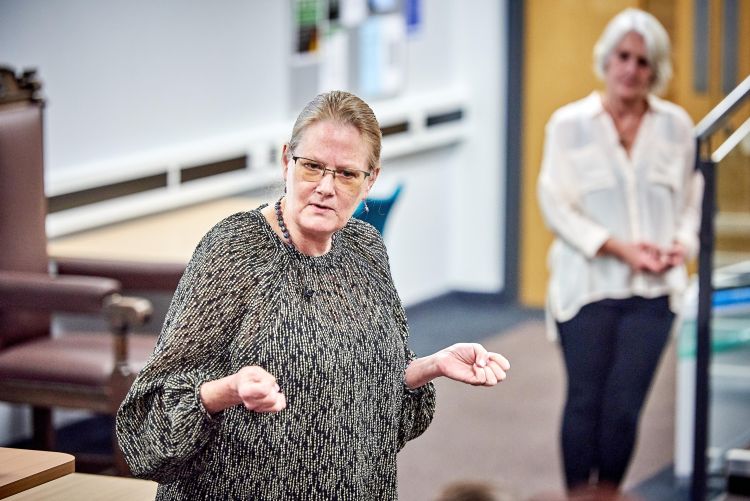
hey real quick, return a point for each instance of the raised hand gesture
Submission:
(465, 362)
(470, 363)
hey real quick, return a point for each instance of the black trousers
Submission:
(611, 350)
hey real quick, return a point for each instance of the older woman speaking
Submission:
(282, 370)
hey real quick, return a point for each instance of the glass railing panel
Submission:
(732, 221)
(729, 403)
(729, 369)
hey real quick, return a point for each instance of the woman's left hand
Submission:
(471, 363)
(674, 255)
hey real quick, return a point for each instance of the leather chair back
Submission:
(23, 208)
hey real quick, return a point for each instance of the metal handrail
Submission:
(731, 142)
(704, 161)
(718, 115)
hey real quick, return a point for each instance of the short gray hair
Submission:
(346, 109)
(654, 36)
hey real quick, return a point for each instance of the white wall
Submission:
(130, 75)
(125, 76)
(447, 232)
(479, 221)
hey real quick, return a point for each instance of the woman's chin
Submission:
(322, 224)
(627, 93)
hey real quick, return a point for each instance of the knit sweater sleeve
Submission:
(418, 405)
(162, 426)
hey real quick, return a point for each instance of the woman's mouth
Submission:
(321, 208)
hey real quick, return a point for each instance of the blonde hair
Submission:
(344, 108)
(654, 36)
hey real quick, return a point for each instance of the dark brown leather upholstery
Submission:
(82, 359)
(79, 370)
(23, 247)
(21, 289)
(132, 276)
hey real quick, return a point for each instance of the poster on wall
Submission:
(334, 61)
(307, 34)
(412, 16)
(353, 12)
(355, 45)
(383, 6)
(382, 55)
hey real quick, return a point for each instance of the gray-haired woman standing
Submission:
(619, 191)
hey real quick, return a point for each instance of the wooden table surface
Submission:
(22, 469)
(167, 237)
(82, 486)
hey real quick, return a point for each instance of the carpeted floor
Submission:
(508, 435)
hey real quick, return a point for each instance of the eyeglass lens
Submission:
(315, 171)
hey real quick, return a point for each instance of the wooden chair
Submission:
(82, 370)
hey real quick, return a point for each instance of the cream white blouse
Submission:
(590, 189)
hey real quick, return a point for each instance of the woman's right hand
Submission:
(640, 256)
(251, 386)
(644, 256)
(258, 390)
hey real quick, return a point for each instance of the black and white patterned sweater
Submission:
(333, 332)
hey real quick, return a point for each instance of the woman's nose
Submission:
(326, 183)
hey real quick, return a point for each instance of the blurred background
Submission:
(162, 117)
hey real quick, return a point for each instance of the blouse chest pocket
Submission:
(666, 167)
(591, 171)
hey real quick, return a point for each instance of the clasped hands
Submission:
(645, 256)
(648, 257)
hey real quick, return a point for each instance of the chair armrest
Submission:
(132, 275)
(73, 294)
(124, 312)
(40, 291)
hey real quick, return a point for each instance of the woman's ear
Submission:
(371, 181)
(285, 156)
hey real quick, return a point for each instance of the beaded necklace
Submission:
(307, 292)
(282, 225)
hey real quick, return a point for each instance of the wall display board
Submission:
(356, 45)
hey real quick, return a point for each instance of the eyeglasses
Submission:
(348, 179)
(625, 56)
